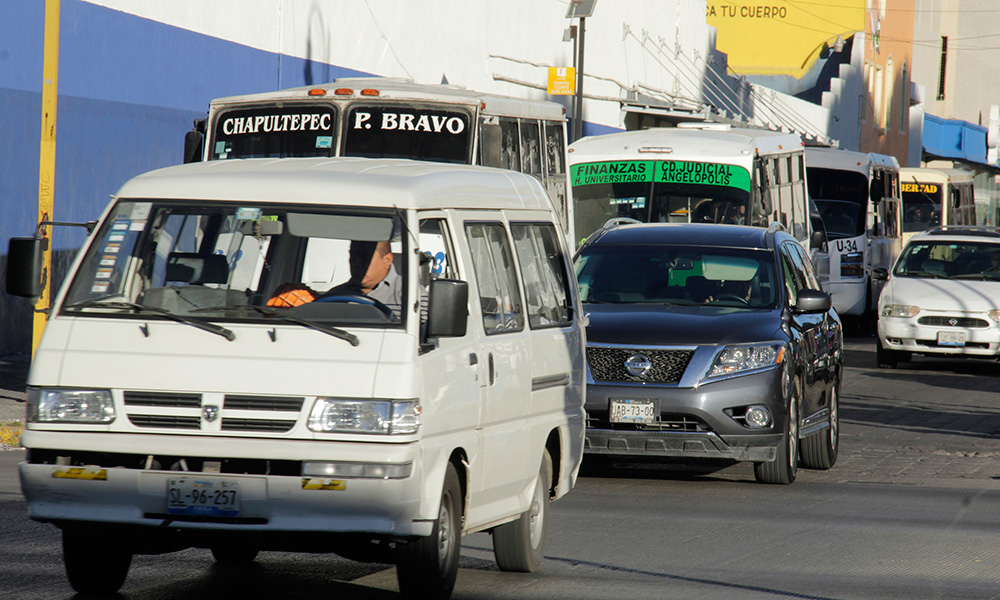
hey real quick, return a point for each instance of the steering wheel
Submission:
(358, 299)
(739, 299)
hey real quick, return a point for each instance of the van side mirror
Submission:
(880, 273)
(817, 240)
(447, 308)
(24, 267)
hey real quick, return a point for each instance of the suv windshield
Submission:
(685, 275)
(949, 259)
(205, 261)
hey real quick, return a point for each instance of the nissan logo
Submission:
(638, 365)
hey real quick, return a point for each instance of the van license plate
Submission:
(632, 411)
(202, 497)
(951, 338)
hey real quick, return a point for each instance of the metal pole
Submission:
(47, 159)
(578, 98)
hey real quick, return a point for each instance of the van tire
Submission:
(94, 566)
(233, 556)
(519, 545)
(427, 568)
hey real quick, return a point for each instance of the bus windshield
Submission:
(407, 132)
(659, 191)
(841, 197)
(921, 206)
(273, 132)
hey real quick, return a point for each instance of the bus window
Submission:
(396, 131)
(531, 149)
(555, 167)
(510, 145)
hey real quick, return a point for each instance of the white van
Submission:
(214, 372)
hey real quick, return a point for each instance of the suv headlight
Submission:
(343, 415)
(740, 359)
(69, 406)
(900, 310)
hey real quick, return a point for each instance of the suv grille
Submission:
(608, 364)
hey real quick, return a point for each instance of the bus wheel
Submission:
(518, 545)
(94, 566)
(427, 568)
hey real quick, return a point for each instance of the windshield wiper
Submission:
(926, 274)
(194, 322)
(271, 314)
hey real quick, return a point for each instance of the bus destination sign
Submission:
(661, 171)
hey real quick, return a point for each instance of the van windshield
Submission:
(210, 261)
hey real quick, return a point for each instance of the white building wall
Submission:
(658, 49)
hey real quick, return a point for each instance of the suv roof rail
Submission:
(617, 221)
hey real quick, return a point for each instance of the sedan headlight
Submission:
(69, 406)
(739, 359)
(341, 415)
(904, 311)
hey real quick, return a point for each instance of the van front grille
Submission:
(165, 421)
(171, 399)
(271, 425)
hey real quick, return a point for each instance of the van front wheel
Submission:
(94, 566)
(427, 568)
(518, 545)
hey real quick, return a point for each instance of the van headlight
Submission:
(904, 311)
(69, 406)
(734, 360)
(346, 415)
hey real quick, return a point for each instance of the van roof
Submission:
(909, 174)
(348, 181)
(674, 143)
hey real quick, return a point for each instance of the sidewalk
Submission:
(13, 379)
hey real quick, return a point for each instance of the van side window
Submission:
(544, 271)
(434, 240)
(494, 266)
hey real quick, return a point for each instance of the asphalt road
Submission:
(910, 511)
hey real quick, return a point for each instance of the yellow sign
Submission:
(795, 32)
(562, 81)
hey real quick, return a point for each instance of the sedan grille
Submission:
(666, 366)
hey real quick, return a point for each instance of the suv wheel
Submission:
(819, 451)
(783, 468)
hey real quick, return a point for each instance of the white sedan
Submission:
(942, 297)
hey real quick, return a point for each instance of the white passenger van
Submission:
(180, 397)
(858, 196)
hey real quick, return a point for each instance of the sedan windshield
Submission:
(196, 262)
(677, 275)
(952, 260)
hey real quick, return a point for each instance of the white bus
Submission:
(693, 173)
(392, 118)
(857, 195)
(924, 193)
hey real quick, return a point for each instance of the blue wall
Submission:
(129, 89)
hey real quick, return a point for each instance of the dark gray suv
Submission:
(709, 341)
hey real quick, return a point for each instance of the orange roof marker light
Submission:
(343, 92)
(369, 92)
(317, 92)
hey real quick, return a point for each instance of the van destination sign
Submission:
(661, 171)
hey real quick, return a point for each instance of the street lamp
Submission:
(579, 9)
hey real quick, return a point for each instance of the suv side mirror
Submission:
(813, 301)
(447, 308)
(24, 267)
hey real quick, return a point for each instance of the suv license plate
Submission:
(632, 411)
(198, 496)
(951, 338)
